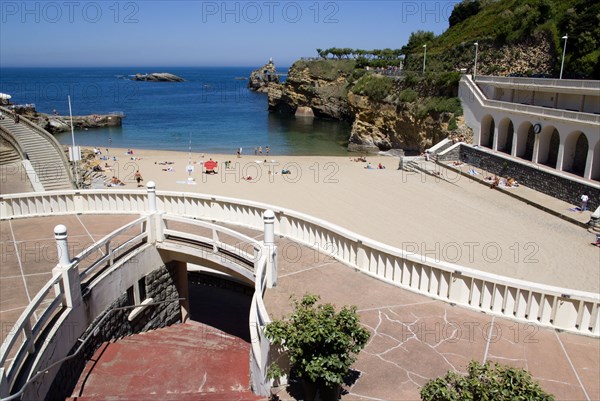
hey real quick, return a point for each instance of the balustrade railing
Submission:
(475, 94)
(555, 307)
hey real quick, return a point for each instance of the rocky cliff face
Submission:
(377, 125)
(383, 126)
(327, 97)
(261, 78)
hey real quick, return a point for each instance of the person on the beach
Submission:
(260, 150)
(267, 151)
(138, 178)
(584, 202)
(239, 154)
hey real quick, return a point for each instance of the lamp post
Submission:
(475, 69)
(562, 64)
(424, 57)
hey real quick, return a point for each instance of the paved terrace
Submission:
(414, 337)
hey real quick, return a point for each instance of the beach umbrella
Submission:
(5, 96)
(210, 165)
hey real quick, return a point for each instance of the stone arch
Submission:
(488, 126)
(525, 141)
(575, 153)
(549, 145)
(506, 130)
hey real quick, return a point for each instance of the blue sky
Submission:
(203, 33)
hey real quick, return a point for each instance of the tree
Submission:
(321, 343)
(484, 382)
(464, 10)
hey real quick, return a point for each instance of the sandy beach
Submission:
(454, 220)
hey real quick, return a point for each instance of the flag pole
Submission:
(73, 157)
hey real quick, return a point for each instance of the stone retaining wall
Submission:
(554, 185)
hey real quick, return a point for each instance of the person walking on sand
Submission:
(584, 202)
(267, 151)
(138, 178)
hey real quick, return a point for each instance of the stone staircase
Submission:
(190, 361)
(8, 154)
(45, 156)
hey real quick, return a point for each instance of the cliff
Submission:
(261, 78)
(385, 113)
(320, 85)
(388, 125)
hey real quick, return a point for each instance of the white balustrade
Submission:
(570, 310)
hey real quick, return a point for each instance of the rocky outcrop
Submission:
(261, 78)
(326, 96)
(157, 77)
(56, 123)
(383, 126)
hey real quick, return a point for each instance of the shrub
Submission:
(484, 382)
(452, 125)
(322, 344)
(375, 87)
(408, 95)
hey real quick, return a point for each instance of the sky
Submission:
(72, 33)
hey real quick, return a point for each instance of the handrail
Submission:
(581, 117)
(551, 82)
(105, 241)
(23, 324)
(53, 142)
(92, 333)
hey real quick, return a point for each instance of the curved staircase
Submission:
(184, 362)
(42, 150)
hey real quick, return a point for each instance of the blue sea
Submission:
(212, 108)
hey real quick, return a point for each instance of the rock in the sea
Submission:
(157, 77)
(261, 77)
(304, 111)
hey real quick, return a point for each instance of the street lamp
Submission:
(424, 57)
(475, 69)
(562, 64)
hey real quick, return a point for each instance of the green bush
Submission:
(440, 105)
(321, 343)
(484, 382)
(452, 125)
(408, 95)
(373, 86)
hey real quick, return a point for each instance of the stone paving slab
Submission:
(415, 338)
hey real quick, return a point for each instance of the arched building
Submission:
(555, 123)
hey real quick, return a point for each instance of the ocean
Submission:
(212, 108)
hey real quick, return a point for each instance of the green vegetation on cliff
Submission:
(506, 29)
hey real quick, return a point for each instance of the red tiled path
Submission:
(190, 361)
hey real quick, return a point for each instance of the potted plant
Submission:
(321, 344)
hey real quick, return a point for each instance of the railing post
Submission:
(269, 242)
(60, 234)
(71, 284)
(151, 186)
(155, 223)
